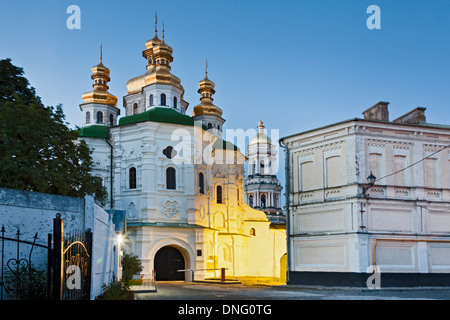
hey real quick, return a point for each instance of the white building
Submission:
(341, 227)
(262, 188)
(180, 183)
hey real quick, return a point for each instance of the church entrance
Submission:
(167, 261)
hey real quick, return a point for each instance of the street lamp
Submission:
(371, 181)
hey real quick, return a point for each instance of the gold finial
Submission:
(206, 68)
(261, 124)
(101, 52)
(163, 31)
(156, 23)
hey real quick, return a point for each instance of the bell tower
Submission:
(262, 188)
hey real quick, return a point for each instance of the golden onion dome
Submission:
(159, 56)
(100, 94)
(206, 90)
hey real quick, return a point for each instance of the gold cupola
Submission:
(209, 114)
(206, 90)
(159, 56)
(100, 94)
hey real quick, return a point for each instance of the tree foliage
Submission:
(131, 266)
(38, 152)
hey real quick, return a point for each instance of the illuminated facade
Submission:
(184, 211)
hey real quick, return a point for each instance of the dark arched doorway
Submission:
(167, 261)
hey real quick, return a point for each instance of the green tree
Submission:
(38, 151)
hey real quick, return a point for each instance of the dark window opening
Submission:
(169, 152)
(219, 194)
(171, 179)
(132, 178)
(99, 117)
(201, 183)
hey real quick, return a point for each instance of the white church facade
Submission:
(181, 185)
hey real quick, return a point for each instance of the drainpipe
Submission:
(288, 227)
(111, 173)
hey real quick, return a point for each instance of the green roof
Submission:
(157, 114)
(94, 131)
(224, 145)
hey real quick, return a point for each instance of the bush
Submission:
(116, 290)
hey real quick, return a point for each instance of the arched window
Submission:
(111, 119)
(135, 108)
(252, 232)
(237, 194)
(201, 183)
(219, 194)
(263, 201)
(132, 178)
(99, 117)
(163, 99)
(151, 100)
(209, 125)
(88, 117)
(175, 102)
(171, 179)
(250, 200)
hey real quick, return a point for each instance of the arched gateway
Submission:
(168, 260)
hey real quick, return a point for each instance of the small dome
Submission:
(261, 137)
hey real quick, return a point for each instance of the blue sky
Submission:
(297, 64)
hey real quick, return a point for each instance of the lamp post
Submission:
(371, 181)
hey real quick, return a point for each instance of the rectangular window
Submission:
(431, 173)
(334, 172)
(375, 162)
(399, 165)
(307, 176)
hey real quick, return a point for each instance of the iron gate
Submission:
(19, 279)
(68, 265)
(72, 263)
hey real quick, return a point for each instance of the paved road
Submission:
(200, 291)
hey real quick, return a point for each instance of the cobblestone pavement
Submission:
(212, 291)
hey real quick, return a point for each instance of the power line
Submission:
(411, 165)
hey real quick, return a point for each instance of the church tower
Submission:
(158, 87)
(206, 112)
(262, 188)
(99, 106)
